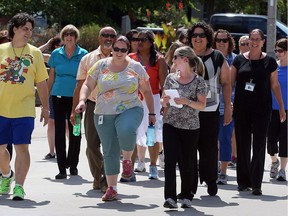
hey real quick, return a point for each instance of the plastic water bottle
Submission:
(77, 126)
(150, 135)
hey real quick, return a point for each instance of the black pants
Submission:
(180, 146)
(250, 126)
(277, 132)
(208, 146)
(62, 111)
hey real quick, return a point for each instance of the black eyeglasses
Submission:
(224, 40)
(117, 49)
(142, 39)
(69, 33)
(201, 35)
(279, 50)
(134, 39)
(244, 44)
(108, 35)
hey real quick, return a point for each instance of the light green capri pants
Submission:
(117, 132)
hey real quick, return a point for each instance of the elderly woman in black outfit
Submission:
(256, 75)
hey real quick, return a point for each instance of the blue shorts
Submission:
(51, 115)
(16, 130)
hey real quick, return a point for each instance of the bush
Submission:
(89, 36)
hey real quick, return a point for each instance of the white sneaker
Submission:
(161, 160)
(140, 167)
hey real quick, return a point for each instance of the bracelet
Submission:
(45, 110)
(151, 114)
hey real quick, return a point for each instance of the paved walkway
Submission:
(74, 196)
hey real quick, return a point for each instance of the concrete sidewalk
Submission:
(74, 196)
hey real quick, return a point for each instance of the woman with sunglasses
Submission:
(216, 75)
(133, 39)
(224, 42)
(278, 130)
(181, 127)
(118, 110)
(64, 62)
(157, 69)
(243, 44)
(256, 75)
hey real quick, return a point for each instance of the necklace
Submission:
(252, 68)
(15, 51)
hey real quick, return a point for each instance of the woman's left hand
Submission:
(181, 100)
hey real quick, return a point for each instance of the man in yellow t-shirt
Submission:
(21, 67)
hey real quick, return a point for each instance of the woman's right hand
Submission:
(81, 107)
(165, 100)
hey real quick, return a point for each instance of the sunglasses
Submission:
(279, 50)
(224, 40)
(201, 35)
(244, 44)
(142, 39)
(134, 39)
(108, 35)
(69, 33)
(117, 49)
(255, 39)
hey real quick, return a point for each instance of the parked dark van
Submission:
(242, 24)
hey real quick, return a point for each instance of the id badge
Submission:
(100, 120)
(249, 86)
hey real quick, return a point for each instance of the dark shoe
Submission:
(49, 156)
(104, 188)
(179, 196)
(73, 171)
(243, 188)
(132, 178)
(96, 185)
(61, 176)
(170, 203)
(212, 189)
(257, 191)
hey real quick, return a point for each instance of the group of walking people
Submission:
(122, 90)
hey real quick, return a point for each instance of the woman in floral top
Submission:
(118, 110)
(181, 125)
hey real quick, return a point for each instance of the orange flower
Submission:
(105, 71)
(108, 95)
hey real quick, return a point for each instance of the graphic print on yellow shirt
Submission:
(15, 69)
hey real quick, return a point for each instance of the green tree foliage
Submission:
(103, 12)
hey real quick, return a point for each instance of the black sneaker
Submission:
(170, 203)
(49, 156)
(243, 188)
(257, 191)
